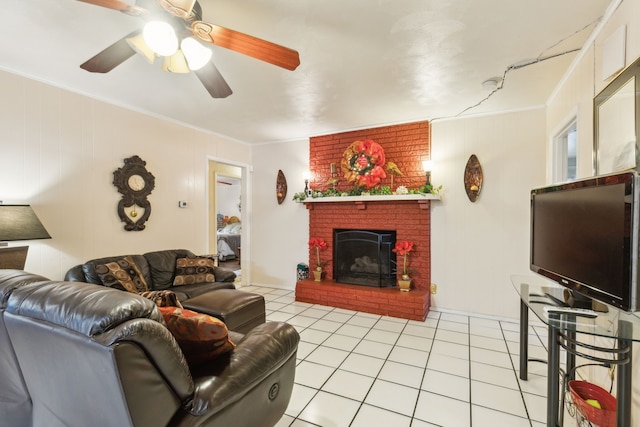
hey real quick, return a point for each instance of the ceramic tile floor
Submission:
(358, 369)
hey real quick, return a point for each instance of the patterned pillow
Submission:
(122, 274)
(162, 298)
(201, 337)
(194, 270)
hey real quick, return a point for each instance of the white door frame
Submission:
(245, 213)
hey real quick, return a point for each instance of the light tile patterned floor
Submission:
(358, 369)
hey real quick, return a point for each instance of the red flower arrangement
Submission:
(319, 245)
(403, 248)
(362, 164)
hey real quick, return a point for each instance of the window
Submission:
(565, 157)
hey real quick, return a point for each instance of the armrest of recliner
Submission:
(75, 274)
(262, 351)
(224, 274)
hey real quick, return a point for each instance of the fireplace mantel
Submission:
(360, 201)
(392, 197)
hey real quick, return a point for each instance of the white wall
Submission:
(279, 233)
(228, 199)
(59, 151)
(476, 247)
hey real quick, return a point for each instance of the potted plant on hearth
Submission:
(319, 245)
(403, 248)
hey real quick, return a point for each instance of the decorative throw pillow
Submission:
(201, 337)
(162, 298)
(122, 274)
(194, 270)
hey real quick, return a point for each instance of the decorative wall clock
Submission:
(281, 187)
(135, 183)
(473, 178)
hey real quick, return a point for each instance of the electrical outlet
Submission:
(434, 288)
(182, 204)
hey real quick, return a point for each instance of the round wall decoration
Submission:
(473, 178)
(362, 164)
(135, 183)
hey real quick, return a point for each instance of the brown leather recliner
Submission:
(15, 403)
(94, 356)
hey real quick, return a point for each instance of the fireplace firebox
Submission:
(364, 257)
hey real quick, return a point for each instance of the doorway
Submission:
(226, 223)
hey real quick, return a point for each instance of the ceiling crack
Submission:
(522, 64)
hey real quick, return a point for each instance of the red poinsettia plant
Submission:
(403, 248)
(319, 245)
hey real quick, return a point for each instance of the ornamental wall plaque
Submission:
(281, 187)
(135, 183)
(473, 178)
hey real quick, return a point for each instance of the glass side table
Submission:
(569, 332)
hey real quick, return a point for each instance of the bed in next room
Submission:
(229, 236)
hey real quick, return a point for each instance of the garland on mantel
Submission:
(363, 165)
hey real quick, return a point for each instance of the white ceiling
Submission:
(364, 63)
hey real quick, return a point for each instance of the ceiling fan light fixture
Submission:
(160, 37)
(196, 54)
(138, 44)
(184, 5)
(175, 63)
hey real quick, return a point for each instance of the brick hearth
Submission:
(406, 145)
(412, 305)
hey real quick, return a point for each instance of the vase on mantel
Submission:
(404, 283)
(317, 274)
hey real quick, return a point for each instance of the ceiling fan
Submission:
(184, 18)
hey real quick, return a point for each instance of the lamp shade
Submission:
(20, 222)
(160, 37)
(141, 47)
(196, 54)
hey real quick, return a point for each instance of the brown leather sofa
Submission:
(93, 356)
(241, 311)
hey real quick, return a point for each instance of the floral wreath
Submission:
(362, 163)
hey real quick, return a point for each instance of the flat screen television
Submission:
(584, 236)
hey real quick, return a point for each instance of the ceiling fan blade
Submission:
(110, 57)
(213, 81)
(118, 5)
(247, 45)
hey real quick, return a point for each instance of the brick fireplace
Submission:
(406, 145)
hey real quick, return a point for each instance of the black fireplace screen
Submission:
(364, 257)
